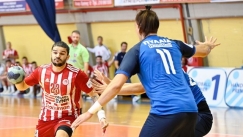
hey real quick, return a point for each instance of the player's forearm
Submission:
(22, 86)
(106, 80)
(202, 50)
(86, 67)
(112, 89)
(101, 112)
(132, 89)
(111, 61)
(116, 64)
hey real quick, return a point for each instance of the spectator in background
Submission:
(8, 88)
(2, 69)
(28, 70)
(184, 64)
(101, 50)
(79, 55)
(102, 67)
(9, 53)
(37, 88)
(120, 55)
(118, 61)
(34, 65)
(18, 63)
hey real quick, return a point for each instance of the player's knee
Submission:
(64, 131)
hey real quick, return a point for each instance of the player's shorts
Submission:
(49, 128)
(175, 125)
(204, 120)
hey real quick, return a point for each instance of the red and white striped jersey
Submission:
(102, 68)
(8, 52)
(28, 69)
(61, 90)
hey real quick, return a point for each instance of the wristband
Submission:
(96, 107)
(101, 114)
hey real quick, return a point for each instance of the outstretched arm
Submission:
(204, 48)
(101, 113)
(127, 88)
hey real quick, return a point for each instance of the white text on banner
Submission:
(234, 89)
(134, 2)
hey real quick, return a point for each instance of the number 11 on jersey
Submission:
(163, 54)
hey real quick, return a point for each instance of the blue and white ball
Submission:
(16, 74)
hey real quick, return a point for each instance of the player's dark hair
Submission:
(33, 62)
(100, 37)
(99, 56)
(76, 31)
(61, 44)
(147, 21)
(123, 43)
(24, 58)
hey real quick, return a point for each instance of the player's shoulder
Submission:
(136, 47)
(72, 68)
(45, 66)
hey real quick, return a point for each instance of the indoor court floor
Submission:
(18, 117)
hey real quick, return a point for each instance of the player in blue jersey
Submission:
(157, 61)
(204, 116)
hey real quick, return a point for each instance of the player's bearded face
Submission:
(58, 62)
(59, 56)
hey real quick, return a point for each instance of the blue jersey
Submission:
(157, 61)
(196, 91)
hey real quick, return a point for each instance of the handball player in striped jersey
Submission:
(62, 85)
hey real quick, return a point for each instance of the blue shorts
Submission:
(175, 125)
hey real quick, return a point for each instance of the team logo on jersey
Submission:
(47, 80)
(89, 84)
(65, 82)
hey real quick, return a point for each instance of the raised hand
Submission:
(209, 42)
(98, 75)
(98, 86)
(82, 118)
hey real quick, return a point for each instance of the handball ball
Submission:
(16, 74)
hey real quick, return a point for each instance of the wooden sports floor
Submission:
(18, 117)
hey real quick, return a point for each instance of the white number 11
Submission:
(163, 53)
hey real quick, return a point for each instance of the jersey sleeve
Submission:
(33, 78)
(130, 63)
(85, 55)
(82, 82)
(187, 50)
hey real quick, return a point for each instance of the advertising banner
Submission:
(134, 2)
(92, 3)
(12, 5)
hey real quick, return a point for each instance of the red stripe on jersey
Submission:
(55, 89)
(47, 85)
(58, 100)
